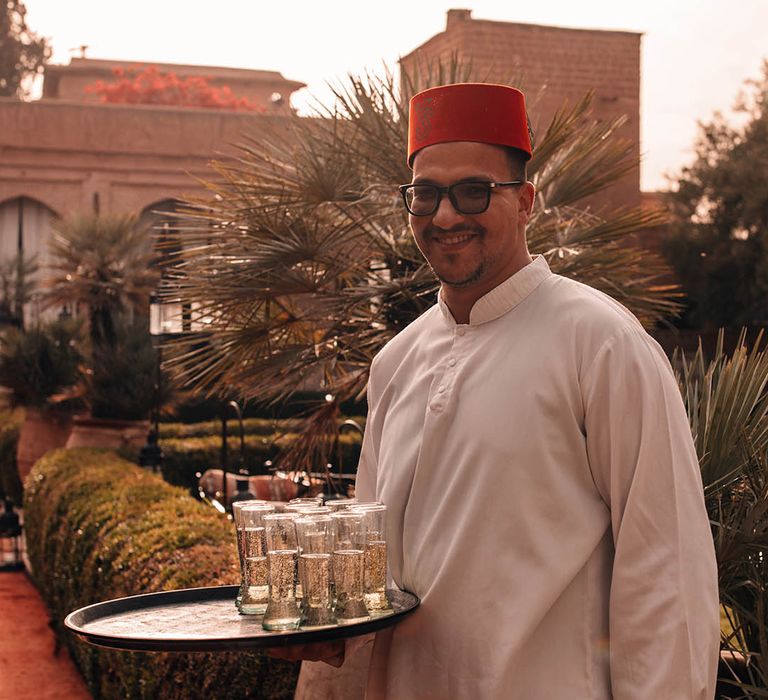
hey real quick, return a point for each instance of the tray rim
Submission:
(77, 619)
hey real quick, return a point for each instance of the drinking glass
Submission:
(347, 559)
(339, 504)
(282, 611)
(236, 506)
(314, 537)
(375, 559)
(249, 520)
(301, 508)
(313, 501)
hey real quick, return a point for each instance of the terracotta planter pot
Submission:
(40, 432)
(103, 432)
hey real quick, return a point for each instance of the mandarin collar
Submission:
(502, 299)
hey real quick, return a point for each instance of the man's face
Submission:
(477, 251)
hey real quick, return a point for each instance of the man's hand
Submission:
(329, 652)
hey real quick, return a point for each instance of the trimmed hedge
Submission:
(184, 458)
(251, 426)
(10, 483)
(98, 528)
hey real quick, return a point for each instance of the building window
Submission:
(25, 229)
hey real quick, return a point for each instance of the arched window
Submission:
(25, 230)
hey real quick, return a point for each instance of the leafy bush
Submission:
(99, 528)
(184, 458)
(251, 426)
(120, 382)
(39, 362)
(10, 483)
(727, 403)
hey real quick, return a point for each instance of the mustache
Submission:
(433, 230)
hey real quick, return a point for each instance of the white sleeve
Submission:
(365, 481)
(664, 609)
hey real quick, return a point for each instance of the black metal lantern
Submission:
(10, 539)
(165, 319)
(151, 454)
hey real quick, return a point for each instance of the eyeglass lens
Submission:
(466, 197)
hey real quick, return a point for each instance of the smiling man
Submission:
(532, 447)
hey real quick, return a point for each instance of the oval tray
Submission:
(205, 619)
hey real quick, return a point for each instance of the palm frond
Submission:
(727, 404)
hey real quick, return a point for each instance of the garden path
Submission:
(29, 667)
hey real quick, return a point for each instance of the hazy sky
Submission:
(695, 54)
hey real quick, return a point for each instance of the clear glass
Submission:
(313, 501)
(282, 611)
(300, 508)
(375, 559)
(338, 504)
(314, 537)
(252, 548)
(347, 560)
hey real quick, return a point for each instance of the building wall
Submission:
(76, 157)
(552, 65)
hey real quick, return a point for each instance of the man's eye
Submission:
(474, 191)
(422, 193)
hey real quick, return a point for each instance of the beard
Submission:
(468, 278)
(465, 281)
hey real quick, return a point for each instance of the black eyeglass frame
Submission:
(449, 190)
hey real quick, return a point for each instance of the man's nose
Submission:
(446, 215)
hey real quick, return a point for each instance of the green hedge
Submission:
(98, 528)
(10, 483)
(184, 458)
(251, 426)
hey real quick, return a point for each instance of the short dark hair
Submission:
(518, 161)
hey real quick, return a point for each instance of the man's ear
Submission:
(526, 198)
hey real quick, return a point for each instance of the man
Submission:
(530, 442)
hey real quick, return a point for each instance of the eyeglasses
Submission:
(467, 197)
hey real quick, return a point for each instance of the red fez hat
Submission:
(468, 112)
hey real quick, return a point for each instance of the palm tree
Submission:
(300, 265)
(103, 267)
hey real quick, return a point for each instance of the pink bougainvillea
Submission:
(153, 87)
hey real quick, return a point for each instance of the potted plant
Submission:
(103, 269)
(40, 366)
(118, 388)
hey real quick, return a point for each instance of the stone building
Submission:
(68, 153)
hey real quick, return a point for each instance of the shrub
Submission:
(251, 426)
(100, 528)
(40, 362)
(185, 457)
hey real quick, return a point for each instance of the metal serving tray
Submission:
(205, 619)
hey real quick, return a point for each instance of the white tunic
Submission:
(544, 502)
